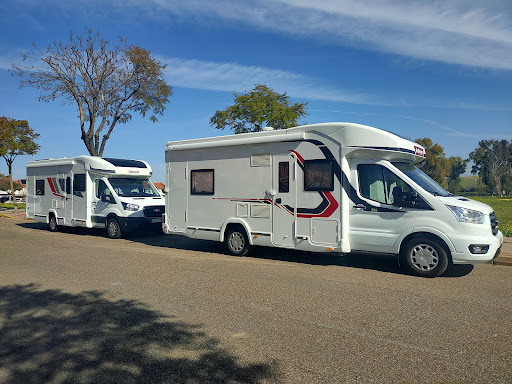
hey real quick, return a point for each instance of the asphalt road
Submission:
(78, 307)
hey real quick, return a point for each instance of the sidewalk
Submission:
(505, 257)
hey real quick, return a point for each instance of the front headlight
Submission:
(465, 215)
(130, 207)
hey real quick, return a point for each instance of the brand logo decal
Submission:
(419, 151)
(133, 171)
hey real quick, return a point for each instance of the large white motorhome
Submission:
(334, 187)
(88, 191)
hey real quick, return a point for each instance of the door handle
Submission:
(360, 206)
(278, 200)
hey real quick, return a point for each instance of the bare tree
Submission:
(107, 85)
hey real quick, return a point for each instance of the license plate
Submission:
(157, 220)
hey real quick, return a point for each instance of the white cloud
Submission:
(450, 31)
(236, 77)
(465, 32)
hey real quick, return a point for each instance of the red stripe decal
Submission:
(52, 187)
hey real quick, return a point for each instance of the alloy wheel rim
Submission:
(424, 257)
(112, 228)
(236, 241)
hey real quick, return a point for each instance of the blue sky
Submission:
(438, 69)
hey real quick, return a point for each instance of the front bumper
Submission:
(462, 255)
(136, 224)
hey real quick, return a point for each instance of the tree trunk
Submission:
(12, 188)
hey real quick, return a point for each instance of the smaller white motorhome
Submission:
(93, 192)
(333, 187)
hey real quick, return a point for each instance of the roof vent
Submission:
(268, 128)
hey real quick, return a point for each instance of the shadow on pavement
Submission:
(52, 336)
(371, 261)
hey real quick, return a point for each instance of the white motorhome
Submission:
(93, 192)
(334, 187)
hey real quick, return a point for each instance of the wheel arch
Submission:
(111, 215)
(429, 235)
(235, 223)
(51, 212)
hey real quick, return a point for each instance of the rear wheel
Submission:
(52, 224)
(237, 241)
(113, 229)
(425, 257)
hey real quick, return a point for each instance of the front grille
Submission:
(154, 211)
(494, 223)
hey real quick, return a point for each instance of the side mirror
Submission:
(166, 190)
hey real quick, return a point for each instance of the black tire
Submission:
(237, 241)
(113, 229)
(52, 224)
(425, 257)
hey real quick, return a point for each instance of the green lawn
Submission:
(11, 205)
(468, 182)
(502, 208)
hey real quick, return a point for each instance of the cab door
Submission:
(284, 202)
(375, 224)
(102, 200)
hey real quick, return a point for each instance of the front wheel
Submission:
(237, 242)
(425, 257)
(113, 229)
(52, 224)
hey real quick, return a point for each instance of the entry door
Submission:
(284, 201)
(79, 187)
(68, 205)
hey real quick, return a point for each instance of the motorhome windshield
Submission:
(133, 187)
(420, 178)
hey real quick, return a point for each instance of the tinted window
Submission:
(79, 182)
(318, 175)
(284, 177)
(103, 192)
(126, 163)
(202, 182)
(40, 187)
(377, 183)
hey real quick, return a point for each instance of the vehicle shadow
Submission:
(371, 261)
(380, 262)
(53, 336)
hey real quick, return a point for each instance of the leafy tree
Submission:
(106, 84)
(492, 162)
(5, 184)
(16, 138)
(436, 165)
(457, 168)
(258, 108)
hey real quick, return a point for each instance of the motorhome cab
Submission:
(334, 187)
(87, 191)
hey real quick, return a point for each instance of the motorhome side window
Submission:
(79, 184)
(284, 177)
(202, 182)
(377, 183)
(40, 187)
(68, 185)
(318, 175)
